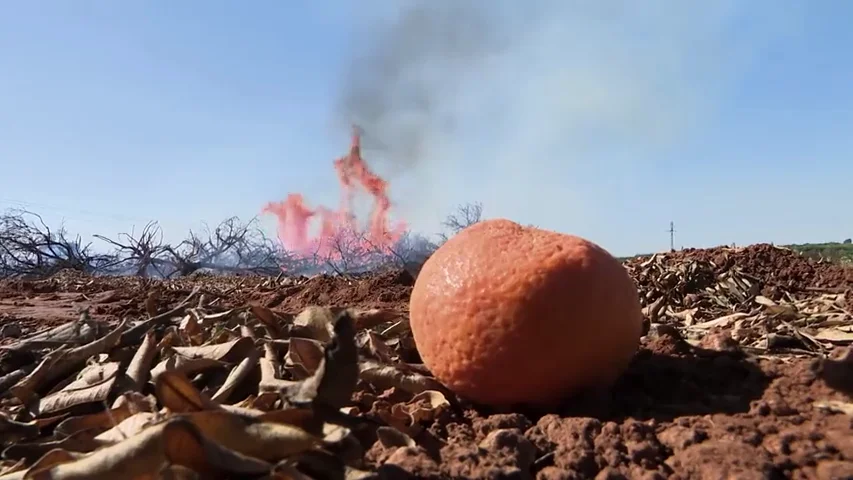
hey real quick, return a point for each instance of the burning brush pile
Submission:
(228, 385)
(340, 238)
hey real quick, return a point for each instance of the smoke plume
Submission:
(402, 85)
(532, 98)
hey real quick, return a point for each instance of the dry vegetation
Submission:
(123, 365)
(31, 249)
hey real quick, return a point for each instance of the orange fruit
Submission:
(504, 314)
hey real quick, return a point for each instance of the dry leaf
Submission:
(12, 431)
(76, 332)
(303, 418)
(55, 457)
(33, 451)
(270, 383)
(128, 427)
(75, 357)
(842, 335)
(719, 322)
(228, 352)
(356, 474)
(138, 457)
(140, 364)
(303, 357)
(191, 329)
(25, 389)
(187, 366)
(175, 391)
(337, 375)
(10, 379)
(762, 300)
(316, 322)
(271, 354)
(8, 467)
(219, 318)
(247, 331)
(184, 445)
(237, 375)
(379, 349)
(268, 319)
(387, 376)
(391, 437)
(427, 405)
(100, 420)
(92, 386)
(253, 437)
(371, 318)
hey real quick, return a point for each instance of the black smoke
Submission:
(404, 78)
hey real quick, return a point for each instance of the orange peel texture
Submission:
(504, 314)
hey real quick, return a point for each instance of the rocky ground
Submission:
(746, 371)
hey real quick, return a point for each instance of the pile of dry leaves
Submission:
(711, 292)
(242, 392)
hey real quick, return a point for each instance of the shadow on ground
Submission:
(837, 371)
(665, 383)
(662, 386)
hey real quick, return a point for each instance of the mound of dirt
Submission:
(391, 287)
(776, 269)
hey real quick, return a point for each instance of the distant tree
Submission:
(465, 216)
(848, 241)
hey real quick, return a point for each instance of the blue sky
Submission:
(605, 119)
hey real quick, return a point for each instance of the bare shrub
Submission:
(141, 254)
(232, 247)
(28, 247)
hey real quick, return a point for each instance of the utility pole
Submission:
(671, 236)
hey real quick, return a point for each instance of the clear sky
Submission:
(607, 119)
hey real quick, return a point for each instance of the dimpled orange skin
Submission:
(504, 315)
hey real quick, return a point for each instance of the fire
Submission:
(337, 226)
